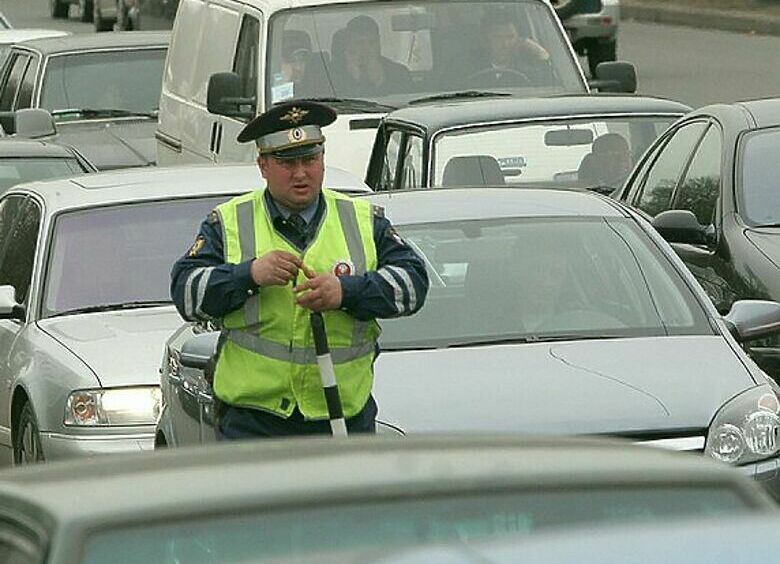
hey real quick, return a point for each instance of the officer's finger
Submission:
(308, 271)
(286, 267)
(289, 257)
(303, 286)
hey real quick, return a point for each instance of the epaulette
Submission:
(379, 211)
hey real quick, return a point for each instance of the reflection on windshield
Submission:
(596, 154)
(395, 52)
(17, 170)
(759, 196)
(119, 254)
(125, 79)
(539, 279)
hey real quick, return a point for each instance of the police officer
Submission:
(264, 260)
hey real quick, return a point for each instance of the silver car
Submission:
(551, 312)
(84, 302)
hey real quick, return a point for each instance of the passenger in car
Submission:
(608, 163)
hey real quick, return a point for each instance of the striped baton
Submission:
(325, 362)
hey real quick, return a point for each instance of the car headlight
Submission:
(746, 429)
(113, 406)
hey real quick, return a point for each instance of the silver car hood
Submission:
(610, 386)
(123, 348)
(112, 144)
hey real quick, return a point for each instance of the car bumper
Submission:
(766, 473)
(58, 446)
(603, 25)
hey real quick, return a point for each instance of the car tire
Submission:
(27, 439)
(101, 23)
(600, 52)
(58, 8)
(86, 8)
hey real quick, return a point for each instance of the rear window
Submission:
(14, 171)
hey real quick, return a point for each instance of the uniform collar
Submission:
(279, 210)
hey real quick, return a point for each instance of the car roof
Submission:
(16, 147)
(475, 203)
(152, 183)
(8, 36)
(276, 5)
(765, 112)
(222, 477)
(453, 113)
(90, 41)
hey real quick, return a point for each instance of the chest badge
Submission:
(343, 268)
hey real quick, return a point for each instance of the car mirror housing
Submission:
(198, 351)
(680, 226)
(615, 76)
(9, 308)
(224, 97)
(34, 123)
(753, 319)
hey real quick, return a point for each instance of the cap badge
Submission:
(296, 135)
(342, 268)
(295, 115)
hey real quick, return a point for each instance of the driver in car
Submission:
(504, 56)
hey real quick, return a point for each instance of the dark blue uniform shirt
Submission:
(204, 287)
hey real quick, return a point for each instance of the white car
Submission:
(593, 29)
(10, 36)
(85, 306)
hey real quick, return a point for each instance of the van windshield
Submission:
(388, 53)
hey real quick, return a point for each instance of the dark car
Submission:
(482, 138)
(710, 187)
(28, 160)
(349, 502)
(549, 312)
(102, 91)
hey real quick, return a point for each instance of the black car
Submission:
(709, 185)
(488, 139)
(102, 91)
(23, 160)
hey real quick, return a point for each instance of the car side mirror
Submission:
(34, 123)
(198, 351)
(680, 226)
(615, 76)
(753, 319)
(9, 308)
(224, 97)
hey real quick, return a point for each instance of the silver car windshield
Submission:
(588, 153)
(120, 254)
(759, 197)
(543, 279)
(17, 170)
(365, 532)
(394, 52)
(90, 83)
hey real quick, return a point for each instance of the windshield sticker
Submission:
(282, 92)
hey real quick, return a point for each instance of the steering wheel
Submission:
(521, 79)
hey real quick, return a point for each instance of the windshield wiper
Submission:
(114, 307)
(528, 339)
(456, 95)
(770, 225)
(104, 112)
(354, 104)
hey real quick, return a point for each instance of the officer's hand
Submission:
(324, 292)
(275, 268)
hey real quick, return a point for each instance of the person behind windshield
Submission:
(608, 164)
(361, 70)
(504, 57)
(296, 50)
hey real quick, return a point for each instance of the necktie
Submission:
(298, 223)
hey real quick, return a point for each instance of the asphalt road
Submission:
(694, 66)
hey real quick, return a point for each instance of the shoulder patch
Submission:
(213, 217)
(379, 211)
(196, 246)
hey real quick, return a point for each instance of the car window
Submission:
(393, 52)
(13, 78)
(759, 169)
(246, 63)
(372, 527)
(24, 99)
(148, 237)
(390, 167)
(18, 257)
(656, 195)
(700, 188)
(492, 279)
(120, 80)
(412, 172)
(14, 171)
(584, 153)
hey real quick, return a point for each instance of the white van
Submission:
(231, 59)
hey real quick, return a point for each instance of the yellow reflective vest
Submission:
(267, 359)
